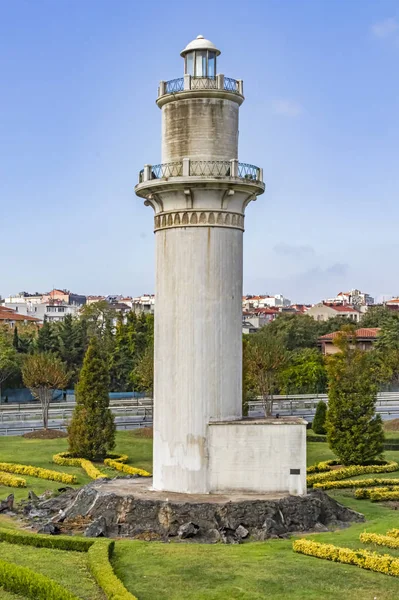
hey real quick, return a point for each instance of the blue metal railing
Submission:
(174, 85)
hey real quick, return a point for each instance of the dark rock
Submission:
(187, 530)
(97, 529)
(130, 509)
(7, 504)
(241, 532)
(50, 529)
(228, 536)
(61, 490)
(319, 527)
(32, 496)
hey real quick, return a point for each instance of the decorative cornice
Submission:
(198, 218)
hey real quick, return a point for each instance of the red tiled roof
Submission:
(340, 308)
(7, 314)
(363, 332)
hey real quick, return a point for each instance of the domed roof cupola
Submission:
(200, 58)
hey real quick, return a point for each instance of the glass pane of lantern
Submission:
(190, 63)
(200, 63)
(211, 64)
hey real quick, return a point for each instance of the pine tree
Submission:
(354, 431)
(46, 339)
(121, 359)
(319, 421)
(92, 429)
(15, 339)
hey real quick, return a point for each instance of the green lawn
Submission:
(177, 571)
(40, 452)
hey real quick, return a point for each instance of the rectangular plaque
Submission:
(295, 471)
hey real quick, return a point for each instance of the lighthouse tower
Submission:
(199, 194)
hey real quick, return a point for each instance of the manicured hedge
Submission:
(11, 480)
(372, 561)
(63, 458)
(356, 483)
(126, 468)
(362, 493)
(37, 472)
(346, 472)
(380, 540)
(58, 542)
(24, 581)
(99, 563)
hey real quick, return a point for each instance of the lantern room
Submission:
(200, 58)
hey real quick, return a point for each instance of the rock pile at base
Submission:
(103, 512)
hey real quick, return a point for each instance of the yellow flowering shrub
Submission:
(372, 561)
(91, 469)
(362, 493)
(393, 533)
(11, 480)
(63, 458)
(376, 496)
(346, 472)
(37, 472)
(320, 467)
(126, 468)
(355, 483)
(122, 458)
(380, 540)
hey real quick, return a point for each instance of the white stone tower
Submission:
(199, 194)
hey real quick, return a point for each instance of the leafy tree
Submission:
(42, 374)
(9, 363)
(388, 338)
(265, 358)
(378, 316)
(295, 330)
(143, 373)
(319, 420)
(354, 431)
(92, 429)
(305, 373)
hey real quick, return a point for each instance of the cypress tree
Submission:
(354, 431)
(92, 429)
(15, 339)
(319, 421)
(46, 339)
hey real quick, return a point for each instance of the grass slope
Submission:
(173, 571)
(39, 453)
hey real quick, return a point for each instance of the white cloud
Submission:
(287, 108)
(385, 29)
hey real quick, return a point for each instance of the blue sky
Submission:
(78, 120)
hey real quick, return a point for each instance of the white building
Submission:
(199, 194)
(354, 298)
(254, 302)
(54, 311)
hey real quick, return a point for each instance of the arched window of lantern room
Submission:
(201, 63)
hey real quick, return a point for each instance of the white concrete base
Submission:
(258, 456)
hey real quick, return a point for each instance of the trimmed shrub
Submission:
(92, 428)
(347, 472)
(101, 568)
(393, 533)
(319, 420)
(64, 458)
(24, 581)
(38, 472)
(380, 540)
(356, 483)
(362, 493)
(59, 542)
(126, 468)
(372, 561)
(383, 496)
(11, 480)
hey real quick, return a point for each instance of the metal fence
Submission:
(231, 85)
(174, 85)
(204, 83)
(246, 171)
(165, 170)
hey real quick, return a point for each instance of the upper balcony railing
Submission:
(202, 168)
(188, 82)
